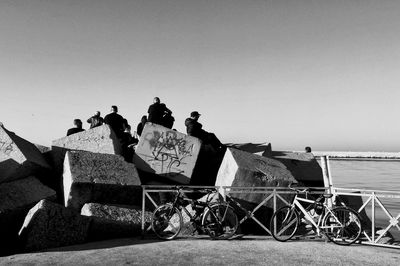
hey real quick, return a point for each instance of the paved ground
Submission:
(203, 251)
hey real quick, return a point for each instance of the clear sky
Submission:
(298, 73)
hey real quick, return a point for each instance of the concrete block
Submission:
(243, 169)
(263, 149)
(16, 198)
(22, 193)
(110, 221)
(167, 153)
(100, 139)
(50, 225)
(303, 166)
(18, 157)
(101, 178)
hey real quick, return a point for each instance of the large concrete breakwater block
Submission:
(16, 198)
(100, 139)
(110, 221)
(263, 149)
(18, 157)
(167, 153)
(102, 178)
(303, 166)
(50, 225)
(244, 169)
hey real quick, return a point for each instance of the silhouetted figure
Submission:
(96, 120)
(115, 121)
(77, 127)
(140, 126)
(128, 144)
(157, 111)
(195, 129)
(307, 149)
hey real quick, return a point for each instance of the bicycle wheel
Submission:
(220, 221)
(284, 223)
(342, 225)
(166, 222)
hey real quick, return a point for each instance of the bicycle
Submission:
(341, 225)
(217, 219)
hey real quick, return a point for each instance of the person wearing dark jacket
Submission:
(115, 121)
(77, 127)
(96, 120)
(195, 129)
(140, 126)
(157, 111)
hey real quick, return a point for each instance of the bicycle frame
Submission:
(309, 218)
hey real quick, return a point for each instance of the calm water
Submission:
(371, 175)
(375, 175)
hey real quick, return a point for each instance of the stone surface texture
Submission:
(303, 166)
(111, 221)
(243, 169)
(50, 225)
(100, 139)
(95, 177)
(18, 157)
(167, 153)
(16, 198)
(22, 193)
(263, 149)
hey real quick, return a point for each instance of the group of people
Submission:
(118, 124)
(158, 113)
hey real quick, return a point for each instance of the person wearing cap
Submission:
(157, 111)
(195, 129)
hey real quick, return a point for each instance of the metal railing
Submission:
(275, 197)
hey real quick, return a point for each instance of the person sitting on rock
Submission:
(195, 129)
(96, 120)
(157, 111)
(77, 127)
(115, 121)
(168, 120)
(128, 143)
(140, 126)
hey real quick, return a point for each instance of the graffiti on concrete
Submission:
(169, 149)
(6, 147)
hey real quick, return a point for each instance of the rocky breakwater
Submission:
(21, 169)
(102, 178)
(244, 169)
(166, 155)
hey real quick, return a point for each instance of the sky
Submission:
(292, 73)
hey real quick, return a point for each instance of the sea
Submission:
(376, 175)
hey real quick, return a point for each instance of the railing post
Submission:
(327, 176)
(143, 208)
(373, 216)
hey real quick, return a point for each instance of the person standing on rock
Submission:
(77, 127)
(96, 120)
(157, 111)
(115, 121)
(195, 129)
